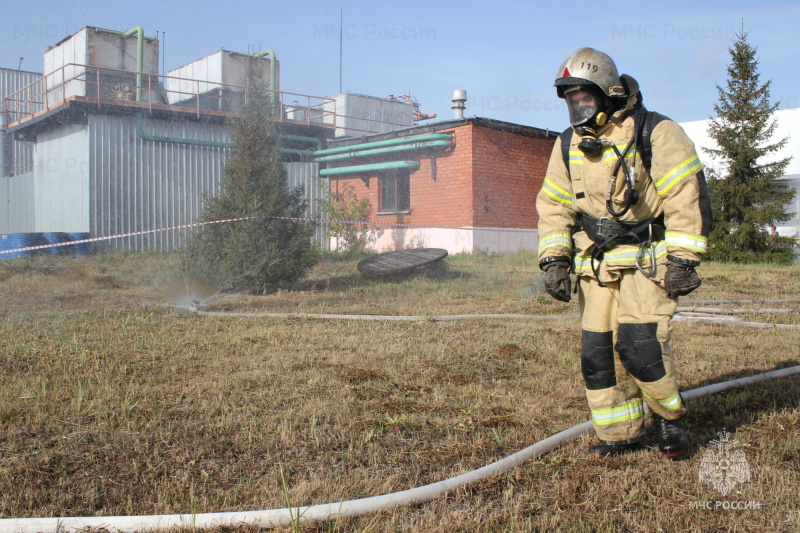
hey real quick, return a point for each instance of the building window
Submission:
(394, 191)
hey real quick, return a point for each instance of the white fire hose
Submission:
(284, 516)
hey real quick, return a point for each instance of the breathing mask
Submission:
(585, 105)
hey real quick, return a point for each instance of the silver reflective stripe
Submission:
(609, 152)
(673, 403)
(559, 239)
(556, 192)
(690, 166)
(629, 256)
(629, 411)
(576, 158)
(692, 242)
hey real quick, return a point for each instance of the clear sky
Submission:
(504, 53)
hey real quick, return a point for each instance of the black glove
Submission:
(681, 277)
(556, 277)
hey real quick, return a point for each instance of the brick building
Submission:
(470, 183)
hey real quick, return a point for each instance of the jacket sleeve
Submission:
(680, 184)
(554, 204)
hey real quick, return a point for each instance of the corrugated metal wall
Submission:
(139, 185)
(16, 204)
(20, 153)
(307, 175)
(61, 180)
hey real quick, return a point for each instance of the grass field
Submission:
(112, 403)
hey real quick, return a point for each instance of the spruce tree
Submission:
(266, 251)
(744, 194)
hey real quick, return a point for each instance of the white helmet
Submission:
(589, 66)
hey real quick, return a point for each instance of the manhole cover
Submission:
(401, 261)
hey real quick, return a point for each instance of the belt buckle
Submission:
(600, 227)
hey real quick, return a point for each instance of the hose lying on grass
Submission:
(697, 313)
(285, 516)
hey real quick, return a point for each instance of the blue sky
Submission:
(504, 53)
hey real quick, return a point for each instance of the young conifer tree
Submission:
(266, 251)
(744, 194)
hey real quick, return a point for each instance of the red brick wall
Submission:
(509, 170)
(505, 166)
(445, 198)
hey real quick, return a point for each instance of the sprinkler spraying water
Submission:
(187, 292)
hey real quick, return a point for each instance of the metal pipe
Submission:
(139, 31)
(4, 148)
(272, 70)
(300, 138)
(387, 142)
(178, 140)
(215, 144)
(282, 517)
(387, 150)
(369, 168)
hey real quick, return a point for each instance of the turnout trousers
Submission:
(626, 360)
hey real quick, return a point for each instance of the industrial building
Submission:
(100, 145)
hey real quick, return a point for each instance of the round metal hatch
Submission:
(401, 261)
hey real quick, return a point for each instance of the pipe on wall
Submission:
(4, 147)
(272, 70)
(218, 144)
(139, 31)
(140, 38)
(414, 165)
(387, 142)
(386, 150)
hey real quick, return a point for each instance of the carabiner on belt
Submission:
(648, 243)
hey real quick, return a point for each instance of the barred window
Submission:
(394, 192)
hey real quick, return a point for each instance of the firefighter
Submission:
(624, 206)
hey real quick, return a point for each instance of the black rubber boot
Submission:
(671, 438)
(611, 449)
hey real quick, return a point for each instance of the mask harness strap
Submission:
(631, 194)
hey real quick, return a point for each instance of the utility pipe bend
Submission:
(272, 71)
(282, 517)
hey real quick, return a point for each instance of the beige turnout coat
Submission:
(672, 189)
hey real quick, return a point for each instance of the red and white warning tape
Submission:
(300, 219)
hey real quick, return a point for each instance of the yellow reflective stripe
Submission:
(629, 411)
(622, 256)
(556, 192)
(576, 158)
(630, 254)
(609, 152)
(673, 402)
(690, 166)
(559, 239)
(692, 242)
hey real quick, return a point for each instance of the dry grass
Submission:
(112, 403)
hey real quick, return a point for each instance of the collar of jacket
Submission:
(619, 118)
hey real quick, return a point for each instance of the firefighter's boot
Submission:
(611, 449)
(671, 438)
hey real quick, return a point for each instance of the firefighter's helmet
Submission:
(588, 66)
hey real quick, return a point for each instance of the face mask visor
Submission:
(582, 106)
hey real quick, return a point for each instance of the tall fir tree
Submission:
(744, 194)
(266, 251)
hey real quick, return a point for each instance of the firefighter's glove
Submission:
(556, 277)
(681, 277)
